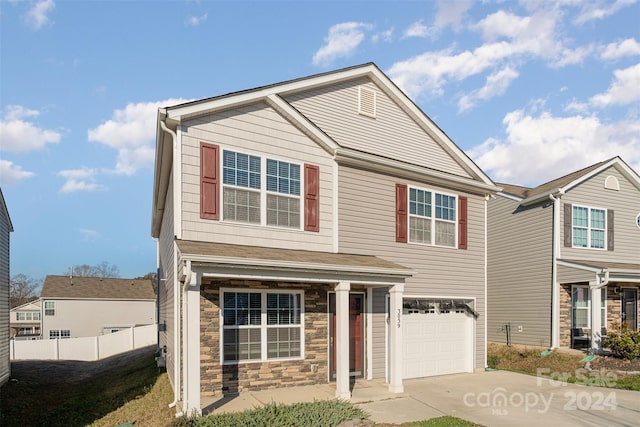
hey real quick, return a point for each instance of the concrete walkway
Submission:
(498, 398)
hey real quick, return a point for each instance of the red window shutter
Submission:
(401, 213)
(209, 181)
(462, 222)
(311, 198)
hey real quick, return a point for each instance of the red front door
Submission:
(356, 335)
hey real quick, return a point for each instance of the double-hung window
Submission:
(59, 333)
(283, 194)
(261, 325)
(49, 308)
(589, 227)
(241, 191)
(432, 218)
(581, 307)
(247, 199)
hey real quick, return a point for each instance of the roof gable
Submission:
(65, 287)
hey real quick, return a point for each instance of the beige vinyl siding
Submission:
(520, 259)
(256, 130)
(625, 204)
(4, 297)
(379, 337)
(367, 226)
(167, 284)
(574, 275)
(392, 133)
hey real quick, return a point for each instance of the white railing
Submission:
(85, 348)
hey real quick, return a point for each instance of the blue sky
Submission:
(530, 90)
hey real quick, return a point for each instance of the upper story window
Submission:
(28, 315)
(589, 227)
(49, 308)
(244, 195)
(258, 190)
(432, 218)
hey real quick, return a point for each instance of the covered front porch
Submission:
(596, 299)
(264, 318)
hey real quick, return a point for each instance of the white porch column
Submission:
(191, 346)
(596, 322)
(342, 340)
(395, 338)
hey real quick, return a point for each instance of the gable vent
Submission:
(611, 183)
(366, 102)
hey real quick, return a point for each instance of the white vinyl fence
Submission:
(85, 348)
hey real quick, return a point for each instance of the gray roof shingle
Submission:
(64, 287)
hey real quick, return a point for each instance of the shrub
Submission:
(624, 345)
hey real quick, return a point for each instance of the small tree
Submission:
(104, 269)
(22, 289)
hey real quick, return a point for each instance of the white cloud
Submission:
(194, 21)
(11, 173)
(554, 146)
(343, 39)
(600, 9)
(89, 235)
(37, 15)
(386, 36)
(451, 13)
(131, 132)
(628, 47)
(79, 180)
(624, 90)
(496, 84)
(572, 56)
(19, 134)
(418, 29)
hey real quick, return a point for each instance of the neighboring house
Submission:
(5, 228)
(315, 230)
(564, 258)
(91, 306)
(26, 321)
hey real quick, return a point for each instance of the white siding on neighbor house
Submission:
(520, 259)
(167, 284)
(257, 130)
(86, 318)
(626, 206)
(4, 297)
(367, 226)
(392, 133)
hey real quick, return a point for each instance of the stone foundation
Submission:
(217, 379)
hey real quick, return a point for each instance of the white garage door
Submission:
(437, 342)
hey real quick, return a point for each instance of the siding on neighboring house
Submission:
(167, 283)
(625, 204)
(379, 336)
(334, 109)
(520, 259)
(367, 226)
(5, 229)
(257, 130)
(574, 275)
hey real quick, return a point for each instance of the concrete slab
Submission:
(497, 398)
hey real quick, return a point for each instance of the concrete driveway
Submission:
(504, 398)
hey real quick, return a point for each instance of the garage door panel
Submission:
(436, 344)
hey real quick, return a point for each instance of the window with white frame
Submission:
(283, 194)
(28, 315)
(49, 308)
(589, 227)
(581, 307)
(59, 333)
(432, 218)
(243, 190)
(261, 325)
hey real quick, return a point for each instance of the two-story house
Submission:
(564, 258)
(6, 227)
(315, 230)
(75, 307)
(26, 321)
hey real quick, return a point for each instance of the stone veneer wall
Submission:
(614, 310)
(217, 379)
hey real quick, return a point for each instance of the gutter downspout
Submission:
(185, 347)
(176, 318)
(555, 286)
